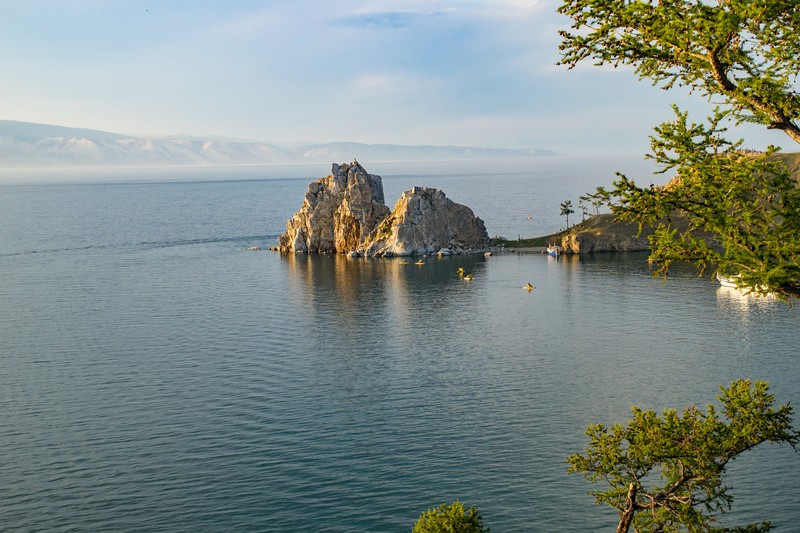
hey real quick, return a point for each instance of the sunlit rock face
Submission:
(425, 221)
(338, 212)
(582, 243)
(345, 213)
(604, 233)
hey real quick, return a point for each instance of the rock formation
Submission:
(602, 233)
(425, 221)
(345, 213)
(338, 212)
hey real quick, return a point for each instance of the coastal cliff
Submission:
(602, 233)
(345, 213)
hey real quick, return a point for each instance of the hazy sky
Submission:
(445, 72)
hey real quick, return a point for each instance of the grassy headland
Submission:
(604, 228)
(605, 232)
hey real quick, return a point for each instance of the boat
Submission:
(728, 281)
(553, 250)
(732, 284)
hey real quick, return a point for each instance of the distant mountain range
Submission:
(29, 145)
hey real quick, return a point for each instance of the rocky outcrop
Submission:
(425, 221)
(602, 233)
(583, 243)
(338, 212)
(345, 213)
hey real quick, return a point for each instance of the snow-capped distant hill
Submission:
(28, 145)
(24, 144)
(345, 151)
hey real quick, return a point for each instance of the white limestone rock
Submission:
(345, 213)
(424, 221)
(338, 212)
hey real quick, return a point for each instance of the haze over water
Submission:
(158, 376)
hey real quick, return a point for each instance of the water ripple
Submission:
(180, 383)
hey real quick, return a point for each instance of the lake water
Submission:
(158, 376)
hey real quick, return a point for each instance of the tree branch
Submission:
(779, 120)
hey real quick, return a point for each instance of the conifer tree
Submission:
(743, 208)
(665, 473)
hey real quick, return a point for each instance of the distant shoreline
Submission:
(528, 250)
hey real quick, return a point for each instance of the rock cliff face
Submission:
(586, 243)
(425, 221)
(602, 233)
(338, 212)
(345, 213)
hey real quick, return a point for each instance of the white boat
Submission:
(728, 281)
(553, 250)
(730, 284)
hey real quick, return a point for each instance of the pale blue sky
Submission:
(469, 72)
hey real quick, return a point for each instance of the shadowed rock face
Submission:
(345, 213)
(587, 243)
(603, 233)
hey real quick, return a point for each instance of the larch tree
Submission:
(566, 210)
(743, 208)
(665, 473)
(452, 518)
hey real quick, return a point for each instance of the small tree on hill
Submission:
(582, 207)
(453, 518)
(598, 199)
(566, 210)
(665, 473)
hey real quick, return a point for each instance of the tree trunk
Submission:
(630, 508)
(779, 120)
(793, 132)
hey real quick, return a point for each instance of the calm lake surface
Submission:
(158, 376)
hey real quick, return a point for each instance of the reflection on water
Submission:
(351, 280)
(739, 302)
(386, 294)
(747, 310)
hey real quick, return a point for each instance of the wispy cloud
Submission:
(478, 72)
(383, 20)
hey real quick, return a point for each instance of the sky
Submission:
(440, 72)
